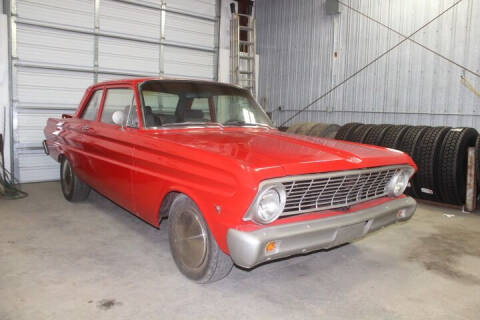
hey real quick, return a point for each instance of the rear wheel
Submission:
(73, 188)
(194, 249)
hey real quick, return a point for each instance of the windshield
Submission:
(177, 103)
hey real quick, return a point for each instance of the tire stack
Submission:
(439, 152)
(314, 129)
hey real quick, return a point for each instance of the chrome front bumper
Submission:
(247, 249)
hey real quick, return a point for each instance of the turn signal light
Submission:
(272, 247)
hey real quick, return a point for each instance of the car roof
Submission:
(136, 81)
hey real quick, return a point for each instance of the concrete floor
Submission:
(94, 260)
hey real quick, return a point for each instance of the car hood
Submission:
(261, 149)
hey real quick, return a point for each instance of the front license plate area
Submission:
(349, 233)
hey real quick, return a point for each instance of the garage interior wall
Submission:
(304, 52)
(59, 48)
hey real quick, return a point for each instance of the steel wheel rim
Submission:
(67, 177)
(190, 240)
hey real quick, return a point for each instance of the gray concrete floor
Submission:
(94, 260)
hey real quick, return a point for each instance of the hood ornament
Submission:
(354, 160)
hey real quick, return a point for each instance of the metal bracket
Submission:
(471, 194)
(161, 52)
(95, 40)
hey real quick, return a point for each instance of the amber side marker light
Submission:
(272, 247)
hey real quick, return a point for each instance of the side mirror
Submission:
(118, 117)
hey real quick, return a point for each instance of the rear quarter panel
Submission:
(52, 137)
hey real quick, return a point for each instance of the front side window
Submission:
(120, 108)
(91, 110)
(175, 103)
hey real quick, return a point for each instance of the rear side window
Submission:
(122, 100)
(91, 110)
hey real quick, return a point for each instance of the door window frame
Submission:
(120, 86)
(88, 99)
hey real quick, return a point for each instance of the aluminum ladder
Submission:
(242, 52)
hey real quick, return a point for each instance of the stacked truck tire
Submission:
(314, 129)
(439, 152)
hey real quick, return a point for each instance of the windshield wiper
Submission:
(245, 124)
(192, 123)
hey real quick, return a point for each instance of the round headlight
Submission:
(270, 204)
(399, 182)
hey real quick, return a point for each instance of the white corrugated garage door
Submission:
(59, 48)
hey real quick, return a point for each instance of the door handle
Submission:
(85, 128)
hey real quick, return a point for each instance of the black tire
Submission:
(410, 139)
(408, 144)
(427, 152)
(393, 136)
(345, 130)
(318, 129)
(73, 188)
(205, 266)
(375, 135)
(360, 133)
(305, 128)
(331, 131)
(325, 130)
(452, 169)
(293, 128)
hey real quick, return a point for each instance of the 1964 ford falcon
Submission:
(234, 189)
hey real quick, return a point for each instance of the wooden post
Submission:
(471, 196)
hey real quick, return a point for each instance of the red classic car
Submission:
(234, 188)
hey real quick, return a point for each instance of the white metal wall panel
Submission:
(76, 13)
(128, 19)
(186, 63)
(109, 77)
(410, 85)
(30, 127)
(53, 47)
(189, 30)
(201, 7)
(36, 166)
(50, 89)
(128, 56)
(60, 52)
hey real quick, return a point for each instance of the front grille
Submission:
(335, 189)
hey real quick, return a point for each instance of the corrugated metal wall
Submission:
(59, 48)
(297, 43)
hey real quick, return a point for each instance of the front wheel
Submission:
(194, 249)
(73, 188)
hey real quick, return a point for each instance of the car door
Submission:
(113, 145)
(77, 134)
